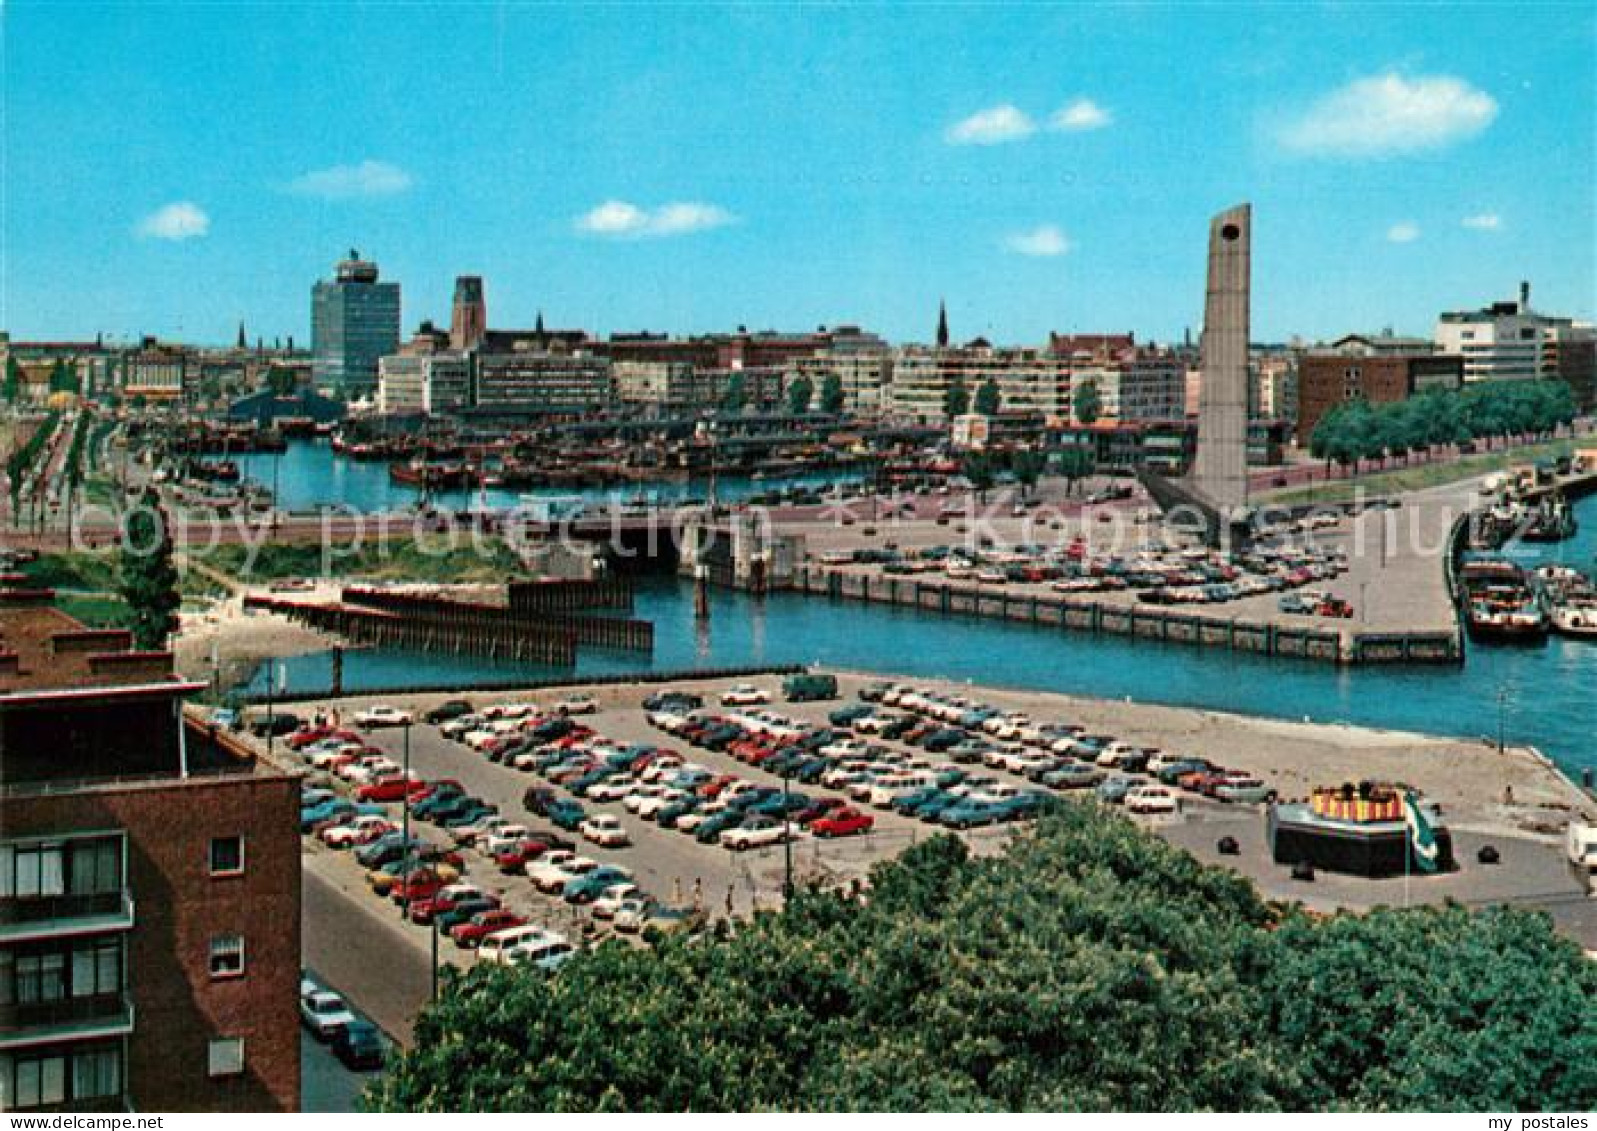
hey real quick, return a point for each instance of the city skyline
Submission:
(821, 174)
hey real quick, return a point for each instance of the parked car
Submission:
(566, 814)
(577, 705)
(359, 1045)
(382, 715)
(744, 695)
(605, 830)
(1152, 799)
(470, 934)
(842, 821)
(756, 832)
(324, 1013)
(447, 710)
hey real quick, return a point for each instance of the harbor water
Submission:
(1543, 695)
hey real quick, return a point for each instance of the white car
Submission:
(577, 705)
(634, 801)
(358, 831)
(650, 807)
(459, 728)
(553, 870)
(744, 695)
(612, 897)
(605, 831)
(1152, 799)
(503, 838)
(612, 789)
(632, 915)
(324, 1013)
(468, 834)
(757, 836)
(382, 715)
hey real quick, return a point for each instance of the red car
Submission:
(424, 885)
(426, 789)
(512, 860)
(823, 807)
(306, 735)
(712, 788)
(846, 821)
(483, 924)
(424, 911)
(394, 787)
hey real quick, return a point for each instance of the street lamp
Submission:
(787, 835)
(1502, 711)
(404, 807)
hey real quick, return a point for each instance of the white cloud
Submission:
(621, 218)
(349, 182)
(1082, 114)
(992, 126)
(1403, 232)
(1043, 242)
(179, 220)
(1384, 115)
(1485, 222)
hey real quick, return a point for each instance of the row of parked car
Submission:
(870, 774)
(1055, 754)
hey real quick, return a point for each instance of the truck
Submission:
(808, 687)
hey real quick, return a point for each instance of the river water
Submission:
(1545, 695)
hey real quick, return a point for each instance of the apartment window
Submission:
(38, 1081)
(32, 871)
(227, 856)
(96, 866)
(96, 1073)
(226, 1056)
(97, 968)
(227, 956)
(40, 978)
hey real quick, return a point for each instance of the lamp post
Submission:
(787, 835)
(1502, 709)
(406, 877)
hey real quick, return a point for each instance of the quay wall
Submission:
(1347, 646)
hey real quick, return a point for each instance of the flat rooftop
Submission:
(45, 649)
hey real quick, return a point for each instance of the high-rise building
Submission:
(149, 886)
(469, 320)
(354, 322)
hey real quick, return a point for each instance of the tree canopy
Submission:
(988, 398)
(800, 392)
(832, 398)
(1089, 966)
(1088, 402)
(956, 399)
(1356, 431)
(148, 579)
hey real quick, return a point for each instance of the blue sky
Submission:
(172, 169)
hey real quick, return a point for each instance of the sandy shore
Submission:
(239, 640)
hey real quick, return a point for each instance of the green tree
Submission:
(1027, 466)
(1074, 464)
(280, 380)
(800, 392)
(736, 395)
(1089, 965)
(11, 390)
(956, 399)
(1088, 402)
(832, 399)
(147, 578)
(978, 468)
(988, 398)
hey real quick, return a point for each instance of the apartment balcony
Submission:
(68, 1019)
(57, 916)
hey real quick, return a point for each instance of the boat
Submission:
(1500, 603)
(1575, 617)
(432, 476)
(1551, 520)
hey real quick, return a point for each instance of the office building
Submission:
(1506, 341)
(149, 886)
(354, 323)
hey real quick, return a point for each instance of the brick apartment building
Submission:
(1351, 372)
(149, 886)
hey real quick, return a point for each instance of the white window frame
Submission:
(210, 857)
(219, 947)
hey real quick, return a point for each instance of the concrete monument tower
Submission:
(1215, 491)
(1220, 471)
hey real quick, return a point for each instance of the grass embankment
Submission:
(86, 586)
(399, 559)
(1417, 477)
